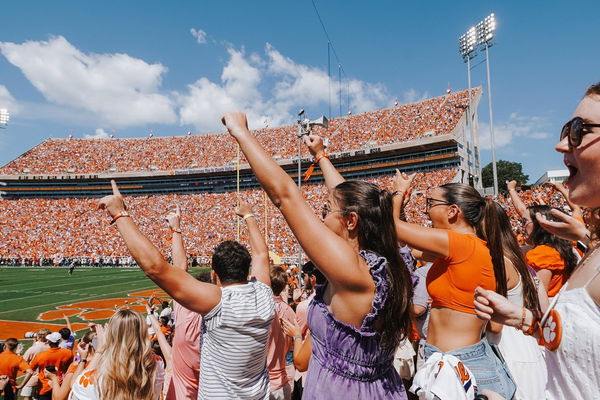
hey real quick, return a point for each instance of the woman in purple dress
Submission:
(360, 316)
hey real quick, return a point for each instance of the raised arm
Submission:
(338, 261)
(165, 347)
(192, 294)
(432, 242)
(173, 218)
(317, 150)
(258, 247)
(516, 200)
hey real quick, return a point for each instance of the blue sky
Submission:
(91, 68)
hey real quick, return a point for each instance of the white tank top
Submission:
(574, 368)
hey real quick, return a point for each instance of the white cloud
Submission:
(7, 101)
(412, 96)
(516, 126)
(290, 85)
(100, 134)
(115, 88)
(199, 34)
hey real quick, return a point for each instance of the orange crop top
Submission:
(546, 257)
(451, 281)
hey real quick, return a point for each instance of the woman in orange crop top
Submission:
(553, 258)
(461, 262)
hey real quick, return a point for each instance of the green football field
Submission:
(25, 293)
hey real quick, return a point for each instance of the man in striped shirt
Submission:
(237, 314)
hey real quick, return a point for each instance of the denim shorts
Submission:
(490, 372)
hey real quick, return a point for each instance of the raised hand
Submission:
(83, 350)
(173, 217)
(511, 185)
(235, 122)
(113, 203)
(315, 145)
(402, 182)
(567, 228)
(244, 209)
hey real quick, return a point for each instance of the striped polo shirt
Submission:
(234, 344)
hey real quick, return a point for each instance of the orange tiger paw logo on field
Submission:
(87, 378)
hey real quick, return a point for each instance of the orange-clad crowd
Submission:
(535, 195)
(401, 123)
(72, 227)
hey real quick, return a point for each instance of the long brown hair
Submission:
(481, 213)
(376, 233)
(513, 252)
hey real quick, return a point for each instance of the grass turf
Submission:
(25, 293)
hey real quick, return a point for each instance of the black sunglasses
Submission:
(429, 203)
(574, 130)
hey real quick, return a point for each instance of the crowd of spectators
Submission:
(43, 231)
(400, 123)
(533, 195)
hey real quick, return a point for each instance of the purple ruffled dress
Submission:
(347, 362)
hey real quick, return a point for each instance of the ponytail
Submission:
(489, 229)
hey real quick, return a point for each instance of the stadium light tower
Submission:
(4, 117)
(481, 36)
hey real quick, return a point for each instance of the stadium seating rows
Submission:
(45, 228)
(397, 124)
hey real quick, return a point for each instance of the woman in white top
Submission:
(521, 352)
(124, 367)
(572, 330)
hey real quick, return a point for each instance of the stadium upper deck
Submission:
(423, 136)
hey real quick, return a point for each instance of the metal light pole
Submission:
(494, 169)
(4, 118)
(481, 34)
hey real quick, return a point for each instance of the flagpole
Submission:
(238, 191)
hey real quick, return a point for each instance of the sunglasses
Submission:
(575, 129)
(327, 209)
(429, 203)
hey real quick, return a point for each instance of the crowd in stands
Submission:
(57, 231)
(401, 123)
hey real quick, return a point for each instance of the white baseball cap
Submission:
(54, 337)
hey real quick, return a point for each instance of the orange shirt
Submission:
(451, 281)
(11, 364)
(60, 358)
(546, 257)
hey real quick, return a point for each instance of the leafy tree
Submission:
(507, 171)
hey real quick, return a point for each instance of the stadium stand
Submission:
(52, 189)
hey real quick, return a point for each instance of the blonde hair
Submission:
(127, 368)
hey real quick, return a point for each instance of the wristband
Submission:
(83, 360)
(297, 337)
(310, 169)
(119, 215)
(245, 217)
(320, 156)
